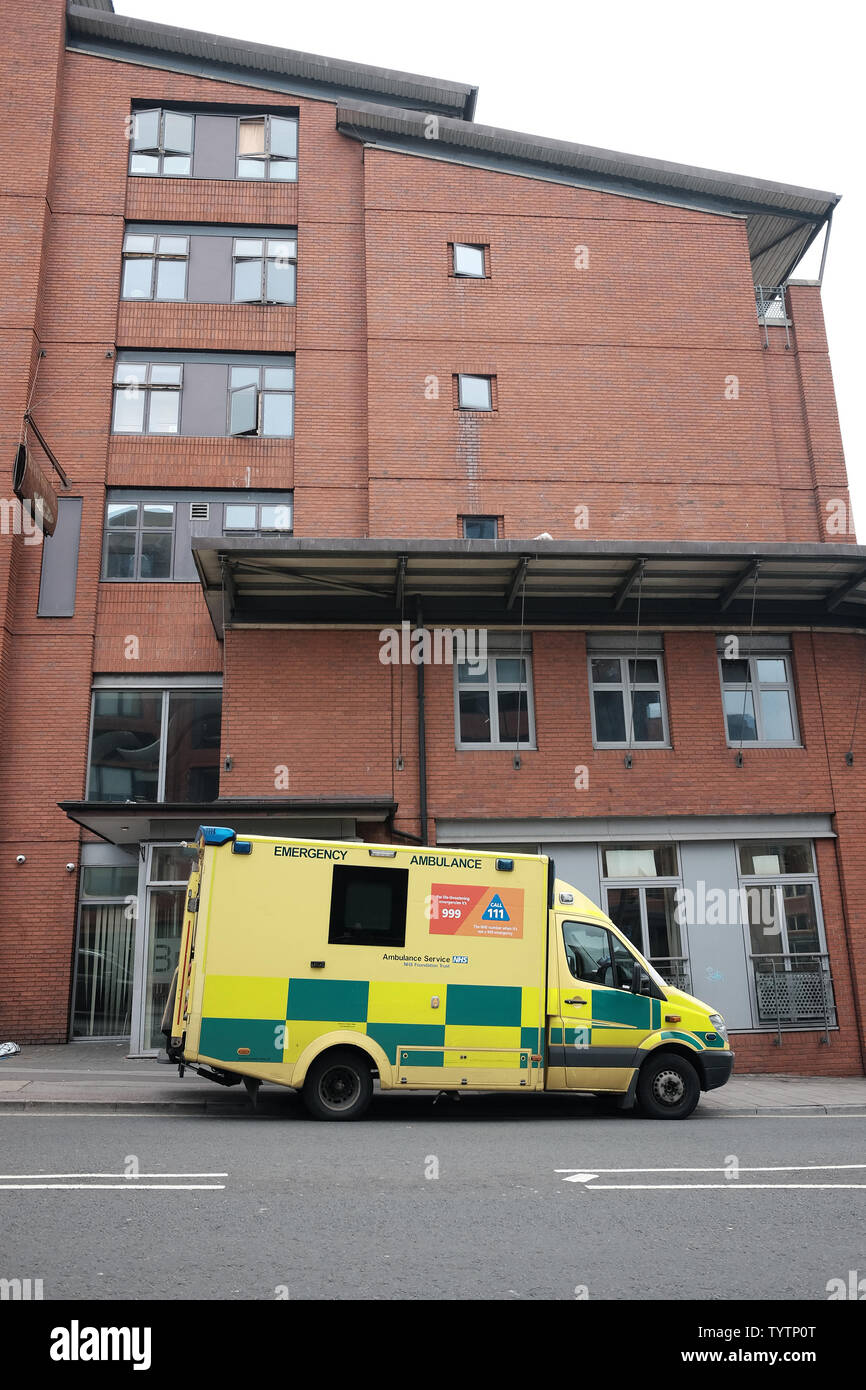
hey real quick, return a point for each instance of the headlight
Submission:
(719, 1024)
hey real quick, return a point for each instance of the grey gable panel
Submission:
(205, 393)
(60, 562)
(215, 139)
(210, 270)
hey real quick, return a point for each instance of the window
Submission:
(252, 516)
(267, 148)
(264, 271)
(147, 397)
(161, 143)
(474, 392)
(155, 745)
(468, 262)
(368, 906)
(596, 956)
(154, 267)
(758, 700)
(494, 701)
(261, 401)
(480, 528)
(148, 534)
(781, 892)
(102, 996)
(647, 912)
(628, 701)
(139, 540)
(791, 981)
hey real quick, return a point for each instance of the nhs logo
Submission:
(459, 960)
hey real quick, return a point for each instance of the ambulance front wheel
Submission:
(668, 1087)
(339, 1085)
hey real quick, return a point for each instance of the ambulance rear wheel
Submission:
(668, 1087)
(338, 1086)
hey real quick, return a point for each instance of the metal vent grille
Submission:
(199, 511)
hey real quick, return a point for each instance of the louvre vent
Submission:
(199, 511)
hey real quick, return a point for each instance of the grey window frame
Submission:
(492, 686)
(626, 687)
(778, 882)
(481, 246)
(475, 409)
(148, 388)
(159, 150)
(261, 392)
(266, 157)
(755, 687)
(485, 517)
(641, 882)
(264, 260)
(154, 256)
(166, 687)
(139, 531)
(258, 528)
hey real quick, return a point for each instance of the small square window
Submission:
(480, 528)
(469, 261)
(240, 518)
(474, 393)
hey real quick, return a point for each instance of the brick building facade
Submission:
(319, 356)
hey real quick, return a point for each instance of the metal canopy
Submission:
(130, 822)
(267, 581)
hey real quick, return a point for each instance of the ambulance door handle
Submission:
(575, 1001)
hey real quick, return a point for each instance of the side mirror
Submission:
(636, 975)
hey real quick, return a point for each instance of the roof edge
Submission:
(98, 22)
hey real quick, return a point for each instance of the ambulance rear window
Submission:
(368, 906)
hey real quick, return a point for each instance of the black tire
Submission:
(338, 1085)
(668, 1087)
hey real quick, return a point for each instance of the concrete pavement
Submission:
(102, 1077)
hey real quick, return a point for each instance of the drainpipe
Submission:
(422, 740)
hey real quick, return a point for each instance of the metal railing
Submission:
(794, 991)
(770, 304)
(674, 970)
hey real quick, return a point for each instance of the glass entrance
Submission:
(102, 993)
(167, 868)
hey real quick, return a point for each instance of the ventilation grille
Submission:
(199, 511)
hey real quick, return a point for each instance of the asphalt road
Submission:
(531, 1202)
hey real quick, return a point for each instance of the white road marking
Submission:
(720, 1186)
(130, 1177)
(113, 1187)
(787, 1168)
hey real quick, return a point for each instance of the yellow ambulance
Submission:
(324, 965)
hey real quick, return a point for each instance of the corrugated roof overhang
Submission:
(131, 822)
(269, 581)
(97, 30)
(781, 219)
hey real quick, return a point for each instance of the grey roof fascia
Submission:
(737, 192)
(104, 33)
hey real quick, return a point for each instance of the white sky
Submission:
(771, 88)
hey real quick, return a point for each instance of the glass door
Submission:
(167, 872)
(102, 993)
